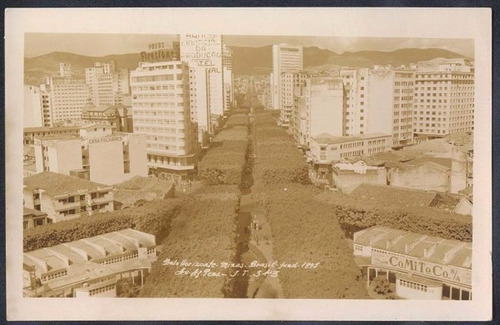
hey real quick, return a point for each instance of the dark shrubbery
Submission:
(222, 165)
(278, 159)
(153, 217)
(203, 231)
(355, 215)
(305, 230)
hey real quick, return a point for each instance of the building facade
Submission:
(417, 266)
(32, 107)
(89, 267)
(203, 54)
(68, 97)
(64, 197)
(97, 155)
(286, 58)
(444, 97)
(161, 111)
(326, 148)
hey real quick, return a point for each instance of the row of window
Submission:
(413, 285)
(96, 291)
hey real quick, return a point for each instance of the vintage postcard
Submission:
(257, 163)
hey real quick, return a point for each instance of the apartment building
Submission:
(228, 77)
(64, 197)
(32, 107)
(161, 111)
(108, 85)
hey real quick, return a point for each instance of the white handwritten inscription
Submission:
(255, 269)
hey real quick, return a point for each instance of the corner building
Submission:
(161, 111)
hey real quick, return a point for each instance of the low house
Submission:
(34, 218)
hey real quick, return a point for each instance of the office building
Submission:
(64, 197)
(89, 267)
(68, 97)
(417, 266)
(286, 58)
(292, 84)
(161, 111)
(444, 97)
(356, 100)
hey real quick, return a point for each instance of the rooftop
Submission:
(58, 184)
(78, 256)
(51, 129)
(391, 195)
(326, 138)
(423, 247)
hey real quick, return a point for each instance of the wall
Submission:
(433, 293)
(380, 102)
(422, 177)
(65, 156)
(327, 108)
(348, 181)
(458, 180)
(106, 160)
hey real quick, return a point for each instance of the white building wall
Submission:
(327, 107)
(32, 113)
(106, 160)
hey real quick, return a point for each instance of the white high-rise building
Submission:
(203, 54)
(286, 58)
(390, 104)
(444, 97)
(68, 97)
(356, 95)
(32, 113)
(161, 111)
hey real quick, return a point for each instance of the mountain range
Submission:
(246, 60)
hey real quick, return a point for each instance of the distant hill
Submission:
(246, 60)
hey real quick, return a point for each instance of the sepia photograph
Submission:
(235, 166)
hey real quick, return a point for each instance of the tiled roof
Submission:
(59, 184)
(391, 195)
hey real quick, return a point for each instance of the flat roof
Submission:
(51, 129)
(58, 184)
(325, 138)
(429, 248)
(390, 195)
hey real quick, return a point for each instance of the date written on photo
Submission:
(255, 269)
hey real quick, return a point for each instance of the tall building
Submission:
(108, 85)
(161, 111)
(68, 97)
(227, 74)
(286, 58)
(290, 81)
(318, 107)
(390, 104)
(356, 95)
(32, 112)
(444, 97)
(46, 107)
(203, 54)
(65, 70)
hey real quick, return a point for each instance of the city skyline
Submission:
(37, 44)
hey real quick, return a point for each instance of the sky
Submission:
(105, 44)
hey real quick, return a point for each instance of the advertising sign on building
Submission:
(445, 273)
(203, 50)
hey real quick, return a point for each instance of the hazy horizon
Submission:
(37, 44)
